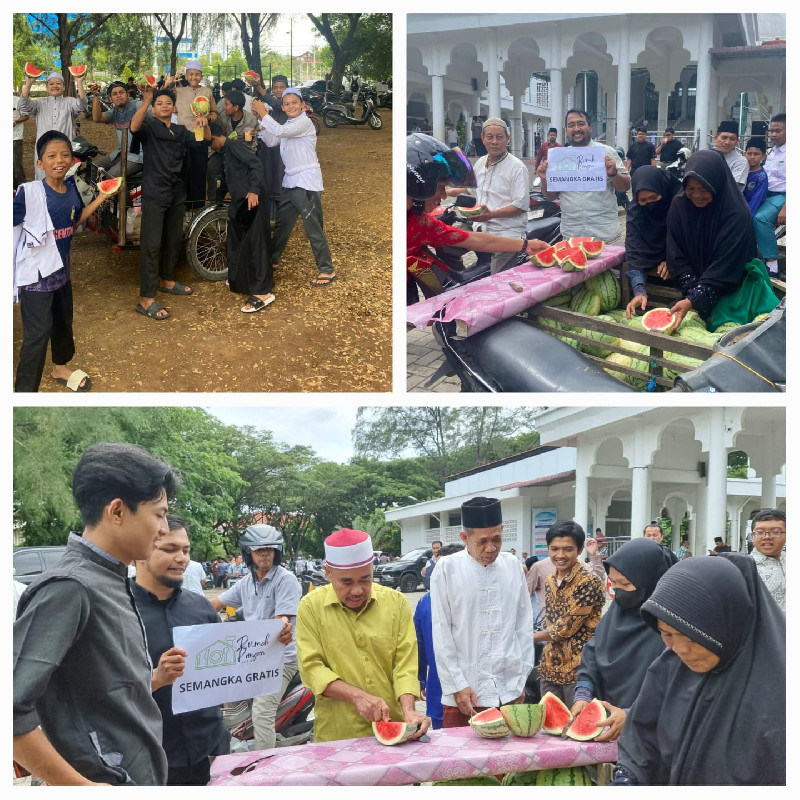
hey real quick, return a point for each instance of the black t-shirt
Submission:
(640, 154)
(163, 170)
(669, 152)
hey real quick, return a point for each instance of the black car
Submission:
(405, 573)
(30, 562)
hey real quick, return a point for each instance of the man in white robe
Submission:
(482, 620)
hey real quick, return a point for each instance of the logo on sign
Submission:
(217, 654)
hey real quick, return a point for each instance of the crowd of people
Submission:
(254, 145)
(675, 659)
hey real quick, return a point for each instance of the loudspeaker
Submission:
(759, 128)
(474, 84)
(701, 468)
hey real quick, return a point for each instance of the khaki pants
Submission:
(264, 709)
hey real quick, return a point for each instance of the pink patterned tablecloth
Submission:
(486, 302)
(451, 753)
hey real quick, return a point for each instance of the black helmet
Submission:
(429, 161)
(257, 536)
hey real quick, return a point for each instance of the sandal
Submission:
(75, 380)
(179, 288)
(324, 278)
(152, 311)
(256, 304)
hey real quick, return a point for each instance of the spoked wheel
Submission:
(374, 121)
(206, 246)
(331, 119)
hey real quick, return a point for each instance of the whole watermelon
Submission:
(564, 776)
(520, 778)
(477, 780)
(606, 287)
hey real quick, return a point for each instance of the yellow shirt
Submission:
(374, 649)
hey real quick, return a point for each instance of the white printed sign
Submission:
(576, 169)
(227, 662)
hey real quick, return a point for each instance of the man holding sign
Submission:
(189, 738)
(357, 646)
(590, 209)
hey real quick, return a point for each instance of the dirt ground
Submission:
(311, 339)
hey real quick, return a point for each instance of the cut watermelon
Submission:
(545, 258)
(659, 320)
(77, 70)
(577, 241)
(110, 186)
(200, 106)
(571, 260)
(489, 724)
(559, 246)
(592, 249)
(33, 72)
(472, 212)
(585, 725)
(151, 81)
(556, 714)
(393, 732)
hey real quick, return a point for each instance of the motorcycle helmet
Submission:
(429, 161)
(258, 536)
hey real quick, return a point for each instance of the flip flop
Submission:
(179, 288)
(152, 311)
(324, 278)
(74, 381)
(256, 304)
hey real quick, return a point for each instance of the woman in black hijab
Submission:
(712, 709)
(614, 662)
(646, 229)
(710, 235)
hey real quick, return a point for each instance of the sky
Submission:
(326, 429)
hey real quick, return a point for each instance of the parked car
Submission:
(404, 574)
(30, 562)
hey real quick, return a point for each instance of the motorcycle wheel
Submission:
(331, 119)
(206, 248)
(374, 121)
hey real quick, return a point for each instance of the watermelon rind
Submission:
(477, 780)
(564, 776)
(586, 303)
(577, 241)
(390, 733)
(110, 186)
(200, 105)
(560, 299)
(592, 249)
(472, 212)
(489, 724)
(33, 72)
(556, 713)
(545, 258)
(150, 80)
(519, 778)
(584, 727)
(660, 320)
(523, 719)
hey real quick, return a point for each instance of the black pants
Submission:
(162, 232)
(19, 169)
(196, 167)
(46, 318)
(307, 205)
(195, 775)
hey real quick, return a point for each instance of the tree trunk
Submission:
(341, 51)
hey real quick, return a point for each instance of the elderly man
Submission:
(589, 213)
(482, 620)
(655, 532)
(541, 153)
(768, 529)
(356, 645)
(725, 142)
(120, 116)
(773, 210)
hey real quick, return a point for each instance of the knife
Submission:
(567, 727)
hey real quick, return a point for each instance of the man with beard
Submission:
(120, 115)
(164, 603)
(589, 213)
(541, 153)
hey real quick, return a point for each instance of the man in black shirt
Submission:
(669, 147)
(191, 737)
(641, 153)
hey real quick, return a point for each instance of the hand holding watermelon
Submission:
(681, 309)
(613, 723)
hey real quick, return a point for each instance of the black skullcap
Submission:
(757, 141)
(481, 512)
(728, 126)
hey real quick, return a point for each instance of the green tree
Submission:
(339, 31)
(252, 28)
(385, 535)
(124, 46)
(738, 462)
(173, 26)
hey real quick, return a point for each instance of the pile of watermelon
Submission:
(571, 255)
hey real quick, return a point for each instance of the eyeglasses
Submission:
(775, 533)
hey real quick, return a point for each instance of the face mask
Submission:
(628, 600)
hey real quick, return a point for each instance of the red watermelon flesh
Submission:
(150, 80)
(78, 70)
(585, 725)
(545, 258)
(565, 245)
(592, 249)
(33, 72)
(110, 186)
(577, 241)
(393, 732)
(556, 714)
(659, 320)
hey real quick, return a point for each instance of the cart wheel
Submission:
(374, 121)
(205, 248)
(331, 119)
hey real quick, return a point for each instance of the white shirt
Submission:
(482, 628)
(298, 141)
(738, 166)
(774, 166)
(19, 127)
(504, 183)
(193, 577)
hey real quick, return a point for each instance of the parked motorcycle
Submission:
(339, 113)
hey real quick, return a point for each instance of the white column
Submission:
(624, 85)
(437, 106)
(531, 128)
(640, 500)
(716, 494)
(769, 495)
(516, 126)
(663, 105)
(476, 108)
(556, 83)
(701, 115)
(493, 73)
(581, 500)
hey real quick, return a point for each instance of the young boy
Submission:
(163, 196)
(302, 183)
(45, 215)
(755, 190)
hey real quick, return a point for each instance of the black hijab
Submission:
(624, 646)
(712, 243)
(726, 726)
(646, 226)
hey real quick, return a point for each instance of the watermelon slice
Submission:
(565, 245)
(577, 241)
(545, 258)
(660, 320)
(393, 732)
(110, 186)
(33, 72)
(77, 70)
(556, 714)
(200, 106)
(489, 724)
(585, 725)
(472, 212)
(572, 259)
(151, 81)
(592, 249)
